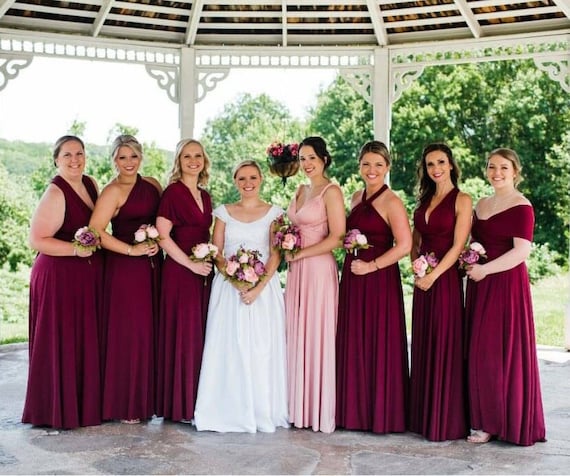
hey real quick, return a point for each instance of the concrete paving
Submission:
(159, 447)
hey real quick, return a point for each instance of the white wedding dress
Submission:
(243, 379)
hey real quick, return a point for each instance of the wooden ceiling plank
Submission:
(193, 22)
(377, 22)
(5, 5)
(564, 5)
(469, 18)
(101, 16)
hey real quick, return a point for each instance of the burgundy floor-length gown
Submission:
(438, 405)
(132, 290)
(504, 382)
(64, 382)
(372, 349)
(183, 306)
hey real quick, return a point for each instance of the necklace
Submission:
(497, 201)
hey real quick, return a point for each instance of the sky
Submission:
(43, 101)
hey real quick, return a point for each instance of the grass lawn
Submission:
(551, 297)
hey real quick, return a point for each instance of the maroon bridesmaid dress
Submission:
(504, 383)
(64, 382)
(438, 405)
(183, 306)
(132, 291)
(372, 349)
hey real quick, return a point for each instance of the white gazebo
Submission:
(379, 46)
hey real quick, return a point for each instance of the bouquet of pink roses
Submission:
(354, 240)
(424, 264)
(471, 255)
(86, 239)
(245, 268)
(204, 252)
(148, 234)
(287, 237)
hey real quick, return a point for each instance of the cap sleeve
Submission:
(167, 208)
(523, 226)
(221, 212)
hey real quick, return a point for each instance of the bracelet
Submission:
(74, 251)
(129, 249)
(375, 264)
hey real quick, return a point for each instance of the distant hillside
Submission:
(23, 158)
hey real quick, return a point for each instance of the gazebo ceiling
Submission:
(307, 23)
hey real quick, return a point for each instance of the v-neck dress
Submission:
(311, 300)
(64, 378)
(504, 383)
(438, 400)
(371, 343)
(183, 305)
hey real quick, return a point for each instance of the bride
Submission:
(242, 385)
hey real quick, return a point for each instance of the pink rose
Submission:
(152, 232)
(250, 275)
(231, 267)
(289, 241)
(201, 251)
(361, 239)
(140, 235)
(477, 247)
(244, 258)
(420, 266)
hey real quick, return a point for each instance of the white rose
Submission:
(361, 239)
(140, 236)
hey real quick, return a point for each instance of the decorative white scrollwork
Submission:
(558, 69)
(360, 80)
(10, 67)
(402, 79)
(208, 80)
(167, 79)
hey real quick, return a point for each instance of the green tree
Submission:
(344, 119)
(243, 131)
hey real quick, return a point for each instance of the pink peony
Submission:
(250, 275)
(202, 250)
(231, 267)
(140, 235)
(152, 232)
(420, 266)
(289, 241)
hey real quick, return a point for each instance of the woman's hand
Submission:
(248, 296)
(476, 272)
(426, 282)
(360, 267)
(202, 268)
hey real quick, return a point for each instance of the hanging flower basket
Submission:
(283, 160)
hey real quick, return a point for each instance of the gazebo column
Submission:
(187, 90)
(381, 95)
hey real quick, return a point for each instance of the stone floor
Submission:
(159, 447)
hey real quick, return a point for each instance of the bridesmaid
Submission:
(311, 292)
(442, 222)
(131, 286)
(372, 347)
(64, 381)
(504, 385)
(184, 220)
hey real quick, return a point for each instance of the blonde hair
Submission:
(246, 163)
(176, 171)
(513, 158)
(126, 140)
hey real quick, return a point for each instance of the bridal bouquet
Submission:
(245, 268)
(148, 234)
(86, 239)
(287, 237)
(424, 264)
(471, 255)
(204, 252)
(354, 240)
